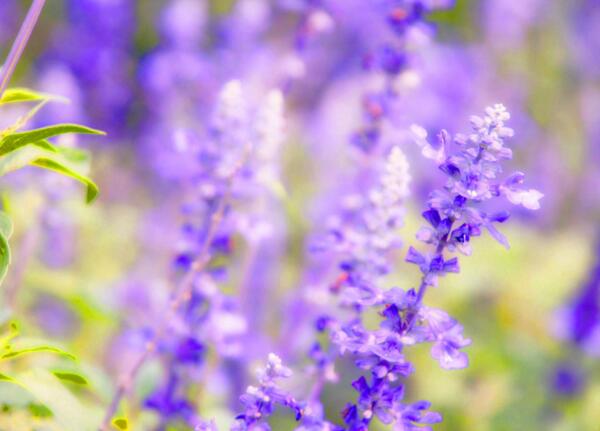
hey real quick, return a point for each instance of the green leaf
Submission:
(16, 140)
(6, 225)
(15, 145)
(121, 423)
(71, 377)
(13, 331)
(50, 392)
(37, 349)
(57, 166)
(64, 161)
(19, 95)
(5, 378)
(39, 410)
(4, 256)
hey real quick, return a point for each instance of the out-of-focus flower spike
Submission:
(270, 129)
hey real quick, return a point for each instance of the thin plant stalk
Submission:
(20, 42)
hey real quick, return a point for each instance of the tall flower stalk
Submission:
(20, 42)
(472, 165)
(235, 162)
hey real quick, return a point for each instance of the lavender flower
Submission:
(260, 401)
(390, 58)
(454, 216)
(366, 233)
(237, 164)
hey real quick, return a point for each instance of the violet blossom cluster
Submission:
(221, 162)
(237, 167)
(404, 21)
(578, 324)
(472, 165)
(260, 401)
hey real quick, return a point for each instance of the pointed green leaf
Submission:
(37, 349)
(49, 391)
(6, 226)
(39, 410)
(65, 161)
(15, 145)
(121, 423)
(6, 378)
(13, 331)
(30, 136)
(19, 95)
(71, 377)
(57, 166)
(4, 256)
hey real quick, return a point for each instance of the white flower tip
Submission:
(419, 133)
(320, 21)
(531, 199)
(232, 88)
(274, 358)
(275, 99)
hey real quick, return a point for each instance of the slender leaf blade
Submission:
(71, 377)
(63, 162)
(4, 256)
(35, 135)
(48, 390)
(6, 225)
(36, 349)
(13, 331)
(20, 95)
(57, 166)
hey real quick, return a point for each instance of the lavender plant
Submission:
(210, 202)
(405, 25)
(473, 167)
(236, 165)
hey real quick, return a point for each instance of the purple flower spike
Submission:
(454, 217)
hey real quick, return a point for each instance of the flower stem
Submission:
(20, 42)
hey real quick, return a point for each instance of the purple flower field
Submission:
(309, 215)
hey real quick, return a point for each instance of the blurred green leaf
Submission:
(4, 254)
(71, 377)
(6, 229)
(121, 423)
(20, 95)
(58, 166)
(13, 331)
(15, 145)
(6, 225)
(64, 161)
(37, 349)
(35, 135)
(6, 378)
(49, 391)
(39, 410)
